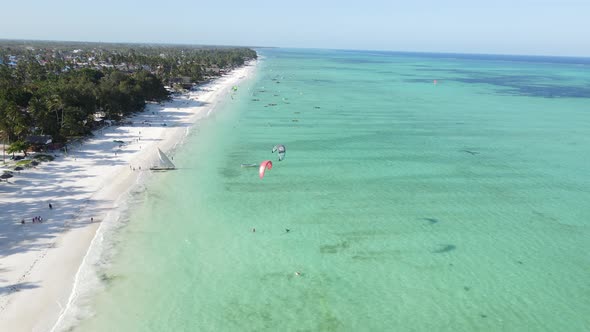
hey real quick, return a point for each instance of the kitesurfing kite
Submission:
(267, 164)
(281, 149)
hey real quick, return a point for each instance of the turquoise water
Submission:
(412, 206)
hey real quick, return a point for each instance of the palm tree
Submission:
(4, 138)
(55, 104)
(13, 120)
(17, 147)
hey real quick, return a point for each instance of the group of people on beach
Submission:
(37, 219)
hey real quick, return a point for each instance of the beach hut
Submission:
(39, 139)
(39, 142)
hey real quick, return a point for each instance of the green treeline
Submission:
(65, 105)
(61, 90)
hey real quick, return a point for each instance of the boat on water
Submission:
(164, 163)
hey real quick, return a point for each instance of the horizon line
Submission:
(586, 57)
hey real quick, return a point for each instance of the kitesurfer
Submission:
(282, 150)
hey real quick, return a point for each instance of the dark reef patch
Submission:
(444, 248)
(432, 221)
(473, 153)
(334, 248)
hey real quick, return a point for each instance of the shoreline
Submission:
(40, 262)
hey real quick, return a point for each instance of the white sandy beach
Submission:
(39, 261)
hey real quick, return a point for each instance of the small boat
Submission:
(164, 163)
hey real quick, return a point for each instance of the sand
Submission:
(39, 262)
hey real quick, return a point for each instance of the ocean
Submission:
(420, 192)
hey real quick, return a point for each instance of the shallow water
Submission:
(412, 206)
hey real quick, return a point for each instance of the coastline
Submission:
(40, 262)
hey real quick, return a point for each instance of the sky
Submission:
(532, 27)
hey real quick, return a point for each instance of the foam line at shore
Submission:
(74, 292)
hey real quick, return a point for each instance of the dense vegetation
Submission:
(35, 102)
(61, 89)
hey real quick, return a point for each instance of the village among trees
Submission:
(66, 90)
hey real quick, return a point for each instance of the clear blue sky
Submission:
(550, 27)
